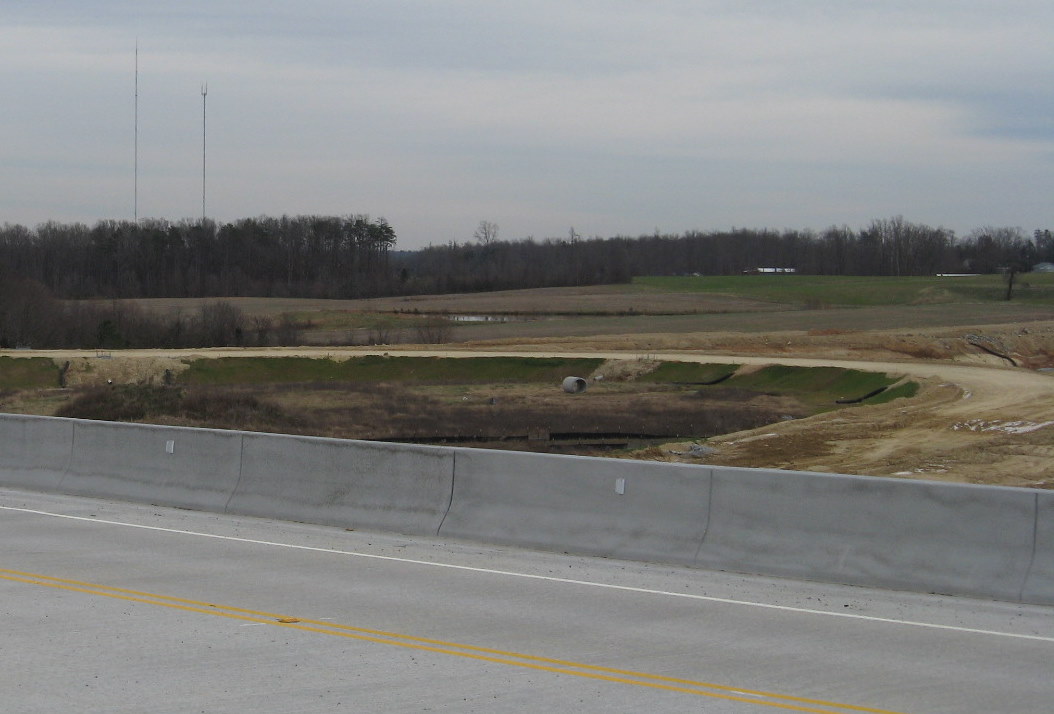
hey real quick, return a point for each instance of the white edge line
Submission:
(546, 578)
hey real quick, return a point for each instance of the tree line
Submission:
(354, 256)
(310, 256)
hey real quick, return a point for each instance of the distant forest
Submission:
(355, 257)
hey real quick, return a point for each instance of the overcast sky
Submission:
(618, 117)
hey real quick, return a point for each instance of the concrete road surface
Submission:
(110, 607)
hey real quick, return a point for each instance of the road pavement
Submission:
(112, 607)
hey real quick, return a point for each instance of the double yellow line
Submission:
(514, 659)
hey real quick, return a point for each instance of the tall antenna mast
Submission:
(135, 163)
(204, 93)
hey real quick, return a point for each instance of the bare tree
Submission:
(1010, 277)
(486, 233)
(262, 327)
(288, 331)
(220, 324)
(434, 330)
(381, 332)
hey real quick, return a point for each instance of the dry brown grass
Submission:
(596, 311)
(480, 414)
(589, 300)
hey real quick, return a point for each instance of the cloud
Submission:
(618, 116)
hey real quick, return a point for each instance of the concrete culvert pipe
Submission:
(574, 385)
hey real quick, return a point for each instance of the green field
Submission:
(820, 386)
(837, 290)
(32, 373)
(691, 372)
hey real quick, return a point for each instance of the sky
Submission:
(621, 117)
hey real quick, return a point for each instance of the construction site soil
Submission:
(984, 412)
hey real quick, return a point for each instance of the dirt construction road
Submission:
(974, 420)
(969, 423)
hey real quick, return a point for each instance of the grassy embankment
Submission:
(497, 401)
(238, 370)
(820, 388)
(28, 373)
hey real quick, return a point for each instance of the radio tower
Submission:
(135, 162)
(204, 93)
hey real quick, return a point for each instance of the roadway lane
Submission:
(111, 607)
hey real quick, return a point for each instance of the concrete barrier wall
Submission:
(169, 466)
(574, 503)
(952, 538)
(34, 452)
(352, 484)
(1039, 588)
(893, 533)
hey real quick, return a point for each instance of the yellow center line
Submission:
(577, 669)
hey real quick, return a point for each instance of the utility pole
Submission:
(204, 93)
